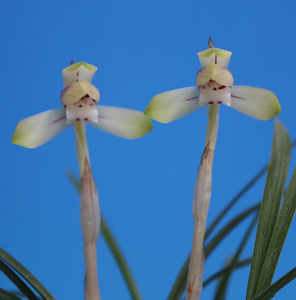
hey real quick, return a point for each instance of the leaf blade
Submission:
(180, 283)
(280, 232)
(275, 287)
(273, 192)
(28, 276)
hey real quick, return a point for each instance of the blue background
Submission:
(141, 48)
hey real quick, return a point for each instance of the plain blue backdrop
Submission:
(141, 48)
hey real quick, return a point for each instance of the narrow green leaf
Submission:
(17, 280)
(114, 248)
(275, 287)
(28, 276)
(222, 287)
(235, 199)
(122, 264)
(216, 240)
(220, 273)
(273, 192)
(4, 295)
(180, 283)
(222, 294)
(280, 232)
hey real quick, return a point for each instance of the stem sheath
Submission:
(200, 207)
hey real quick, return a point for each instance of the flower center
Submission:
(214, 93)
(83, 110)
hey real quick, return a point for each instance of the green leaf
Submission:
(180, 283)
(222, 286)
(29, 277)
(235, 199)
(4, 295)
(220, 273)
(278, 285)
(217, 239)
(279, 234)
(114, 248)
(17, 280)
(238, 196)
(273, 192)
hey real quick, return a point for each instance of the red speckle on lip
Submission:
(211, 102)
(203, 87)
(219, 102)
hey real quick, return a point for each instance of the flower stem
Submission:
(81, 145)
(200, 207)
(90, 214)
(91, 286)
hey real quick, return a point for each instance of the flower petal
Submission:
(39, 129)
(123, 122)
(172, 105)
(255, 102)
(76, 90)
(214, 56)
(78, 72)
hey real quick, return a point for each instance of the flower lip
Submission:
(83, 110)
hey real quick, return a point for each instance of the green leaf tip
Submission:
(219, 52)
(76, 66)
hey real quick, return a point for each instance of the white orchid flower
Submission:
(214, 85)
(80, 98)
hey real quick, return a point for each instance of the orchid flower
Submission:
(214, 86)
(79, 99)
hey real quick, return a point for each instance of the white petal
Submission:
(78, 72)
(39, 129)
(214, 56)
(255, 102)
(169, 106)
(123, 122)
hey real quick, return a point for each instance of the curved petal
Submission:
(255, 102)
(169, 106)
(78, 72)
(214, 56)
(76, 90)
(39, 129)
(123, 122)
